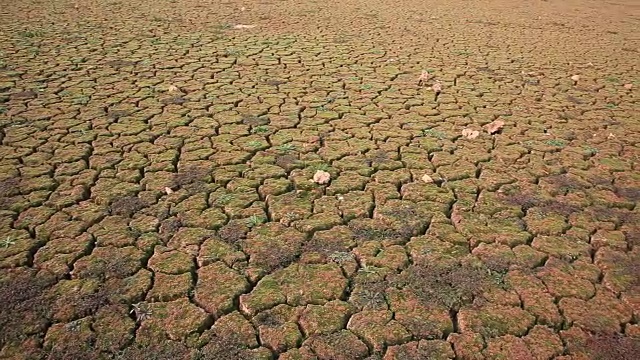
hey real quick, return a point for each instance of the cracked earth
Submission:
(479, 199)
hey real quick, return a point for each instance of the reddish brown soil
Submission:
(157, 194)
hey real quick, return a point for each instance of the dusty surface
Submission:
(319, 180)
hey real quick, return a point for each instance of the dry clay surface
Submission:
(332, 180)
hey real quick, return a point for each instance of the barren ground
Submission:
(157, 197)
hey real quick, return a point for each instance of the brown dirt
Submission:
(157, 163)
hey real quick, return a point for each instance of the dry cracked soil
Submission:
(476, 166)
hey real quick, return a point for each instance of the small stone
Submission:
(242, 26)
(470, 134)
(494, 126)
(321, 177)
(424, 76)
(427, 179)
